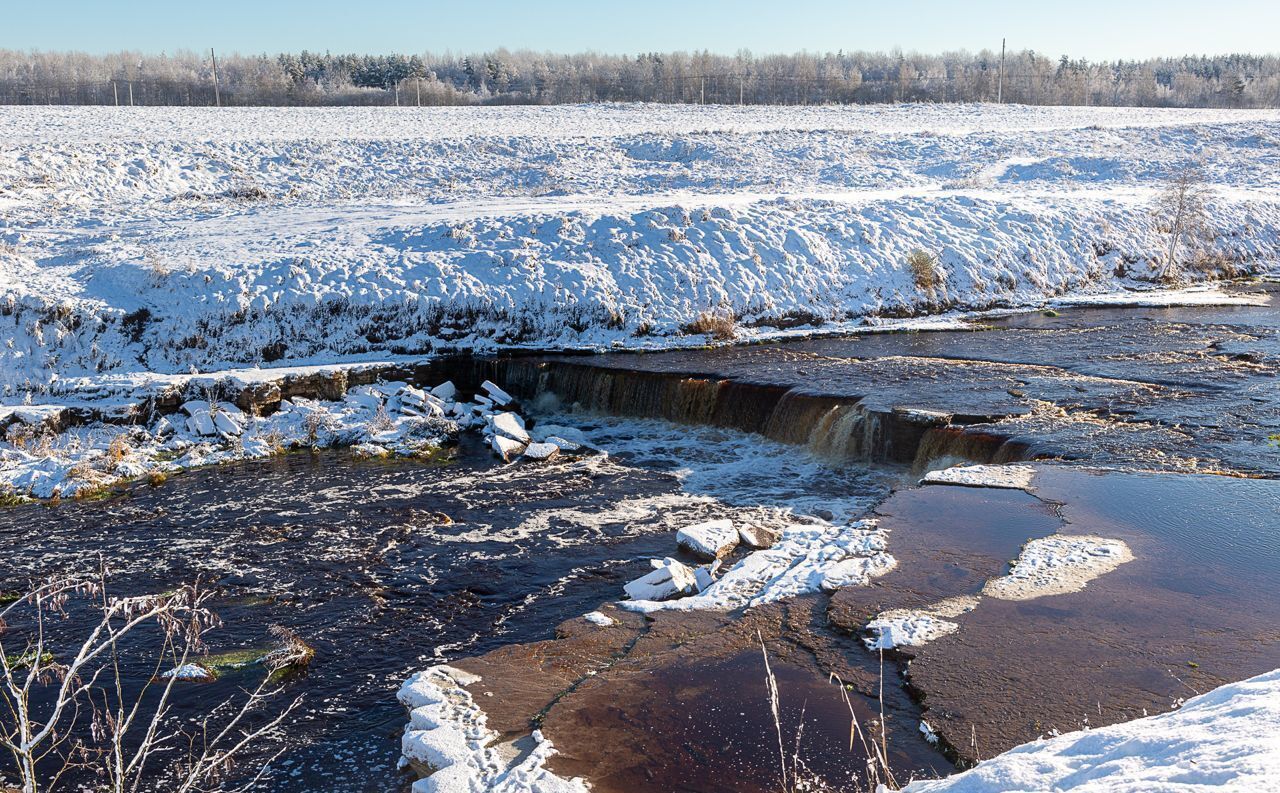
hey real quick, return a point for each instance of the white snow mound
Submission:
(1225, 740)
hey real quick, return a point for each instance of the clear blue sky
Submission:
(1082, 28)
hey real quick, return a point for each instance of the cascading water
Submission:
(842, 429)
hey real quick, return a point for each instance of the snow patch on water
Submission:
(1057, 565)
(916, 627)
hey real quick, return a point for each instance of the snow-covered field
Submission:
(172, 239)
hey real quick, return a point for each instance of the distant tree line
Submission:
(503, 77)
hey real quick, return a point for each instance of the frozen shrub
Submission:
(924, 269)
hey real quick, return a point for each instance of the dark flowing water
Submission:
(352, 557)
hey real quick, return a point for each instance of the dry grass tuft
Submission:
(293, 654)
(719, 325)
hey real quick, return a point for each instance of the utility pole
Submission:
(397, 94)
(702, 90)
(115, 91)
(739, 90)
(217, 93)
(131, 93)
(1000, 85)
(417, 86)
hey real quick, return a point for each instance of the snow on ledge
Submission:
(1014, 477)
(1201, 295)
(807, 558)
(447, 734)
(1223, 740)
(1057, 565)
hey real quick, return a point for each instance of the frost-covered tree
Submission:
(184, 78)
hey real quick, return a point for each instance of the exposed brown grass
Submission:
(719, 325)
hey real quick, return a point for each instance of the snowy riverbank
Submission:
(167, 240)
(1223, 740)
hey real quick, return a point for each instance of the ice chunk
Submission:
(190, 407)
(446, 391)
(709, 540)
(201, 423)
(597, 618)
(705, 575)
(226, 423)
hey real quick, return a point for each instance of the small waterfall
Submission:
(839, 429)
(943, 446)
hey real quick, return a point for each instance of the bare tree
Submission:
(82, 714)
(1182, 212)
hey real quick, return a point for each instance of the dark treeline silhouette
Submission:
(503, 77)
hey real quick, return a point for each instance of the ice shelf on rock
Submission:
(709, 540)
(541, 451)
(505, 447)
(1014, 477)
(757, 536)
(806, 558)
(510, 425)
(599, 618)
(378, 420)
(448, 739)
(669, 579)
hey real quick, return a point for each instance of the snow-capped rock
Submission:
(541, 451)
(709, 540)
(671, 579)
(500, 398)
(511, 426)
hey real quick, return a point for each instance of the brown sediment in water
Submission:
(659, 707)
(678, 701)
